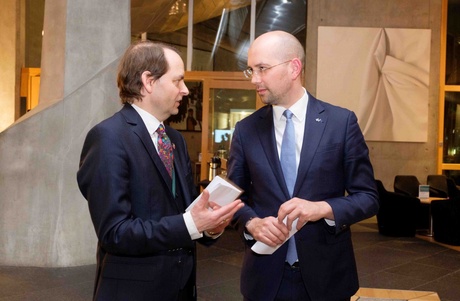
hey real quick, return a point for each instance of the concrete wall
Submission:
(44, 220)
(388, 158)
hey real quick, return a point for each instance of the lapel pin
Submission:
(318, 120)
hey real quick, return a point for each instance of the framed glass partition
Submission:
(227, 105)
(449, 92)
(227, 97)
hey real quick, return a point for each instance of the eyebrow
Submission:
(179, 77)
(260, 64)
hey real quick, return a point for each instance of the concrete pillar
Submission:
(44, 220)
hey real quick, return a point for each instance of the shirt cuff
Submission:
(248, 236)
(330, 222)
(213, 236)
(191, 227)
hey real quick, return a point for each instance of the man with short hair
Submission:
(135, 173)
(295, 158)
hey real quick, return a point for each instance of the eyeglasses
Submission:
(249, 72)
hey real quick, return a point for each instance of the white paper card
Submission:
(424, 191)
(221, 192)
(263, 249)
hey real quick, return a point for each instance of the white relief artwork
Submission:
(382, 74)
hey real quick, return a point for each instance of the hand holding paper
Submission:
(264, 249)
(221, 192)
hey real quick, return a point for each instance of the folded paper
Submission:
(264, 249)
(221, 191)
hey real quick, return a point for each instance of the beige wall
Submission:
(388, 158)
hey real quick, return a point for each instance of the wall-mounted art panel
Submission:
(382, 74)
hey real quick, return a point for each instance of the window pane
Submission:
(453, 44)
(286, 15)
(453, 174)
(451, 150)
(221, 28)
(221, 35)
(221, 43)
(227, 107)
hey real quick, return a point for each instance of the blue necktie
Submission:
(288, 164)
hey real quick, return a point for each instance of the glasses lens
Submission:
(248, 73)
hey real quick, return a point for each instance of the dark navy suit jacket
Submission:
(144, 249)
(335, 167)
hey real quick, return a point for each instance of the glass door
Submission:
(227, 106)
(227, 97)
(229, 102)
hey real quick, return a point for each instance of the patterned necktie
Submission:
(288, 164)
(165, 149)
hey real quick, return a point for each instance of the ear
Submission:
(296, 67)
(147, 81)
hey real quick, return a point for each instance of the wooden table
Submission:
(430, 223)
(385, 294)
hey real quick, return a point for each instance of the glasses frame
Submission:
(250, 72)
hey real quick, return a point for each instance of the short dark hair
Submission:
(139, 57)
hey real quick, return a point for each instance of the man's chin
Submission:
(266, 101)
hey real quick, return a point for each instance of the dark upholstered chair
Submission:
(408, 185)
(438, 186)
(446, 221)
(397, 213)
(452, 189)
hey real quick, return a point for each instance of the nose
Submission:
(255, 78)
(184, 89)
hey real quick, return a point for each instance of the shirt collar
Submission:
(149, 120)
(299, 108)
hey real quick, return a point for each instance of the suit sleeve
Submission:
(238, 172)
(361, 201)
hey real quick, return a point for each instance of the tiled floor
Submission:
(383, 262)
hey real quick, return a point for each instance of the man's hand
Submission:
(209, 216)
(306, 211)
(268, 230)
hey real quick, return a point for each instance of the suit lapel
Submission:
(315, 123)
(139, 129)
(266, 133)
